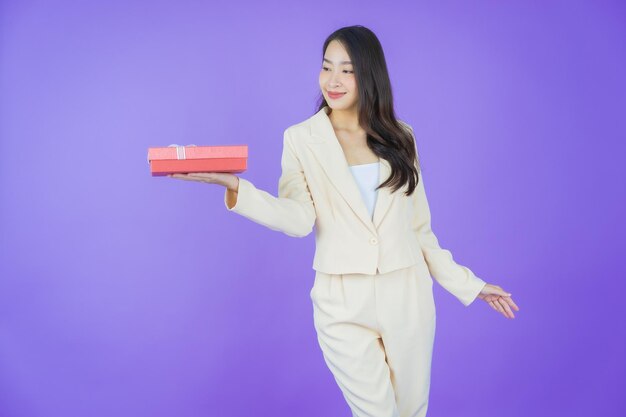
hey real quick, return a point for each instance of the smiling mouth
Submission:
(335, 95)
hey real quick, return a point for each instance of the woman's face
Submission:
(337, 75)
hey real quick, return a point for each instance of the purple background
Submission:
(127, 295)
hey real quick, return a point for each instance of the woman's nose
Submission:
(334, 78)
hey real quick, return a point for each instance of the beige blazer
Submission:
(317, 188)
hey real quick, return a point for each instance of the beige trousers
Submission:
(376, 333)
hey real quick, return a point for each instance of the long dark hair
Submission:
(386, 136)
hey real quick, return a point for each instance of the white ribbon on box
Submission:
(180, 151)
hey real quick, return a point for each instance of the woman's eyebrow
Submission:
(342, 62)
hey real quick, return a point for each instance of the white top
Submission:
(367, 177)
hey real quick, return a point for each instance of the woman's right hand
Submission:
(230, 181)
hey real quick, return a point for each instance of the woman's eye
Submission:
(348, 71)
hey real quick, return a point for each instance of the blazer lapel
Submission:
(325, 146)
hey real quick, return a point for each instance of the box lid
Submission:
(197, 152)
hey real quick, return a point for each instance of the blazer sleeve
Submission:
(457, 279)
(292, 212)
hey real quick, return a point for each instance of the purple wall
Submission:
(127, 295)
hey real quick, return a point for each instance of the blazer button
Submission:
(373, 241)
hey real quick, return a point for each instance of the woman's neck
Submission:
(346, 120)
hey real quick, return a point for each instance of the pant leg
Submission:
(348, 334)
(406, 312)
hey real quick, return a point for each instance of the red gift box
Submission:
(176, 159)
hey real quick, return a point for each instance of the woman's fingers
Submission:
(202, 174)
(501, 305)
(497, 305)
(505, 306)
(500, 300)
(183, 177)
(221, 178)
(189, 177)
(511, 303)
(178, 176)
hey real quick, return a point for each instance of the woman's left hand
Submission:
(498, 299)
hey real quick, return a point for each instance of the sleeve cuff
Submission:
(477, 286)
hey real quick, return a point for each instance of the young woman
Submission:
(352, 171)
